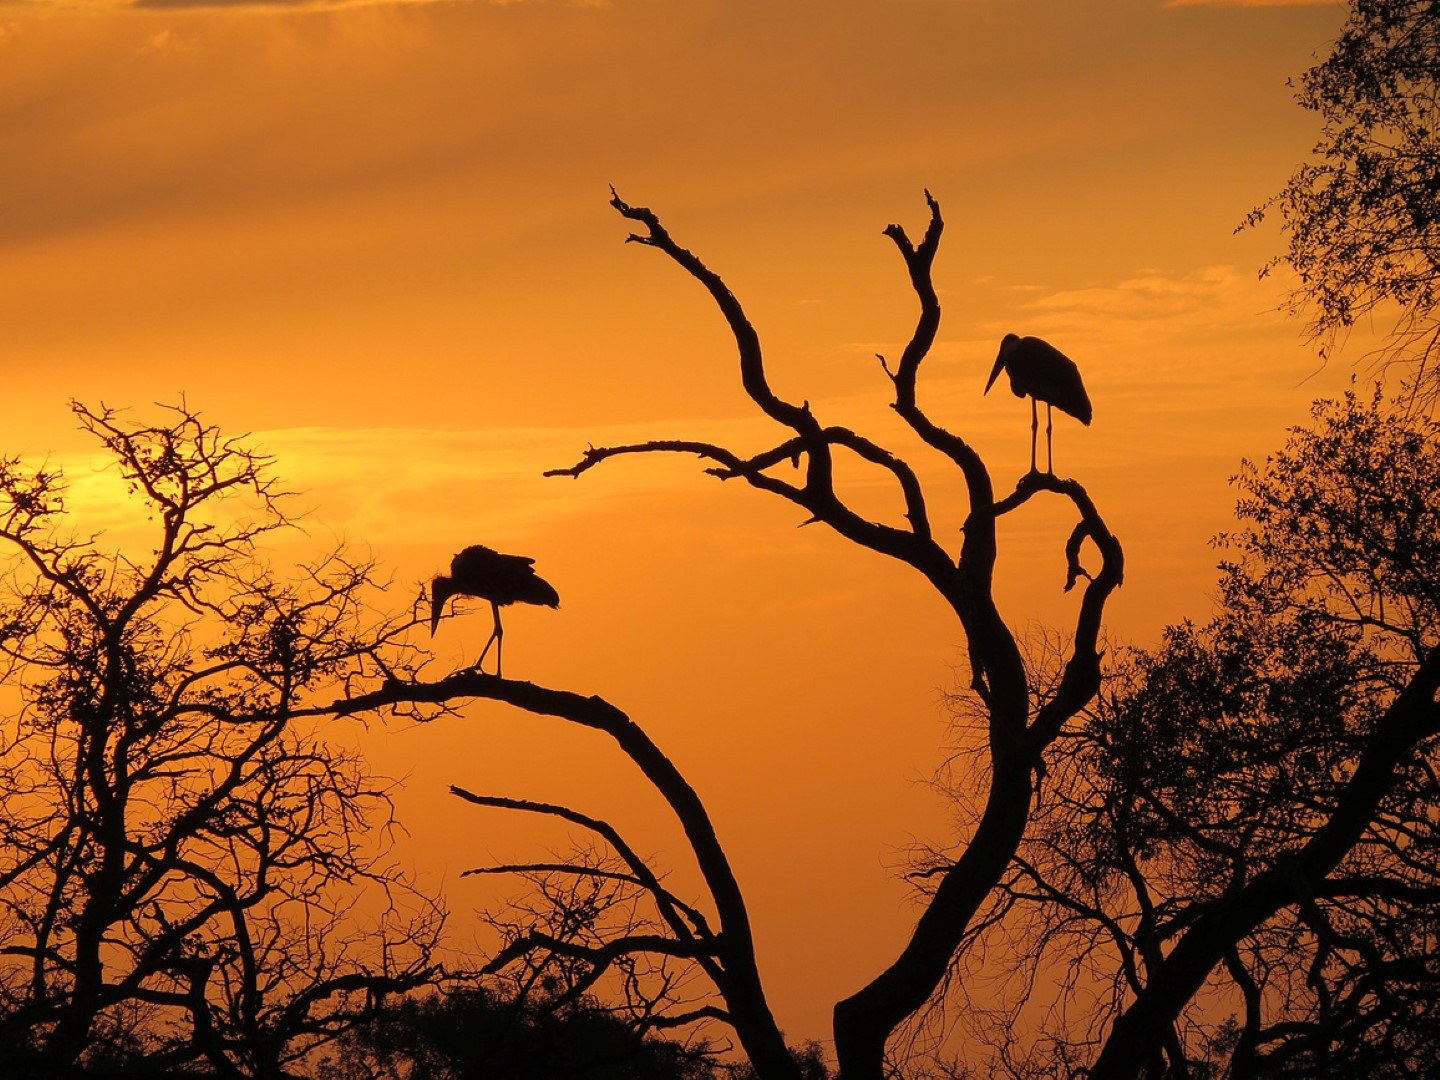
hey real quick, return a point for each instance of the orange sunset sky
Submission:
(377, 237)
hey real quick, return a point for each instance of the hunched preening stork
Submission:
(501, 579)
(1042, 372)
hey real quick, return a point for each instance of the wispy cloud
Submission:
(1151, 303)
(1149, 310)
(416, 486)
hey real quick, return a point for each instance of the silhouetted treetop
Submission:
(185, 855)
(1343, 524)
(1363, 218)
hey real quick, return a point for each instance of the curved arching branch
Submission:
(747, 341)
(685, 922)
(732, 945)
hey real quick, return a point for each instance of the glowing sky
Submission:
(377, 236)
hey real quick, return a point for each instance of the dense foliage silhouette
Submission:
(1235, 869)
(1362, 218)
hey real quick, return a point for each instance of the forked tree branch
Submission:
(1019, 728)
(920, 262)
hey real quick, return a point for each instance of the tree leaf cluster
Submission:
(1362, 218)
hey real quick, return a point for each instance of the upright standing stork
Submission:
(501, 579)
(1042, 372)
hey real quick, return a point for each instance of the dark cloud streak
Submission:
(273, 5)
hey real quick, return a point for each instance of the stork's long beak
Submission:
(438, 595)
(995, 372)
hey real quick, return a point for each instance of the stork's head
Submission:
(441, 589)
(1008, 342)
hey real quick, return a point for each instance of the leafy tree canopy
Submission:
(1363, 217)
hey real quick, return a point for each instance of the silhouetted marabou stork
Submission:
(501, 579)
(1042, 372)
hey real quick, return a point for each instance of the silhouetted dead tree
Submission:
(1022, 720)
(1020, 726)
(182, 852)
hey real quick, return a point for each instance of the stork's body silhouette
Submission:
(1042, 372)
(501, 579)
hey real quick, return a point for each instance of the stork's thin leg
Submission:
(1034, 431)
(499, 640)
(496, 633)
(479, 665)
(1049, 446)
